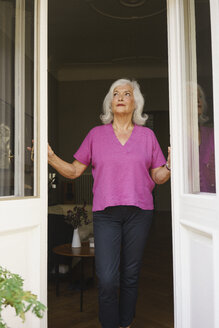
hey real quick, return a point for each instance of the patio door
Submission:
(23, 175)
(194, 113)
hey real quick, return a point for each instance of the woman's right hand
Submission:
(50, 152)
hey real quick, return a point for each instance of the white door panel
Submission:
(31, 212)
(197, 257)
(195, 214)
(23, 258)
(23, 220)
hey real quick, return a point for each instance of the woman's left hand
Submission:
(169, 157)
(162, 174)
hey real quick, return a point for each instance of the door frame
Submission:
(181, 201)
(41, 75)
(24, 219)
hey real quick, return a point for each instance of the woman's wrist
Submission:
(51, 157)
(168, 166)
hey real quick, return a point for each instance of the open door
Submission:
(23, 176)
(194, 102)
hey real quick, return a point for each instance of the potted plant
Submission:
(76, 218)
(12, 294)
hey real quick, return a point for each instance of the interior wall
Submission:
(78, 105)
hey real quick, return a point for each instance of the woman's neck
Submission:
(122, 123)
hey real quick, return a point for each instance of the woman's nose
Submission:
(121, 97)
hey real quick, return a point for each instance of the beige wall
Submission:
(75, 107)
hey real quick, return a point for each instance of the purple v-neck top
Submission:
(121, 173)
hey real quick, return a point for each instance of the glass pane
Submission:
(16, 97)
(205, 97)
(198, 116)
(7, 105)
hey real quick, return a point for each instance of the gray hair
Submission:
(138, 118)
(203, 118)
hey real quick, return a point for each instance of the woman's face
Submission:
(123, 101)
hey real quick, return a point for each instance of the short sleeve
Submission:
(84, 153)
(158, 158)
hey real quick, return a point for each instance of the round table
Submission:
(85, 251)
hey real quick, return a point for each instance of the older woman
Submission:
(126, 163)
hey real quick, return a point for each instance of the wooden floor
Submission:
(155, 298)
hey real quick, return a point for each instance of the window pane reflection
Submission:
(16, 97)
(205, 97)
(7, 107)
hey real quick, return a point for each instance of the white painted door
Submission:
(193, 62)
(23, 116)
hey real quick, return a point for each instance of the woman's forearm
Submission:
(66, 169)
(161, 175)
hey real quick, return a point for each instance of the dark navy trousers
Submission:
(120, 233)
